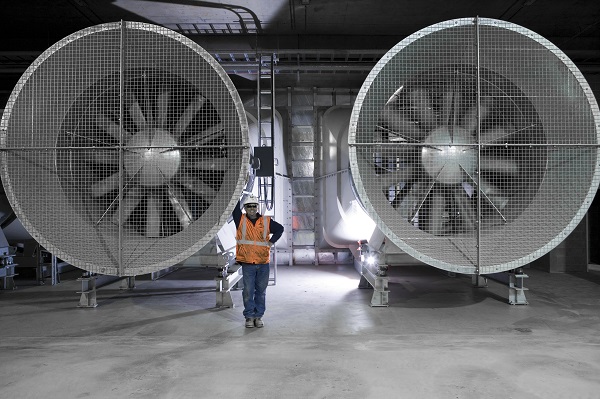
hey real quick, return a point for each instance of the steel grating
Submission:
(124, 148)
(474, 145)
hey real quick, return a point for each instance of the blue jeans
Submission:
(256, 279)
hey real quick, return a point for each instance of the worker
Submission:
(255, 235)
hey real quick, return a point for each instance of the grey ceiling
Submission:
(332, 43)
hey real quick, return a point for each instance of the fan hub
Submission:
(152, 158)
(448, 154)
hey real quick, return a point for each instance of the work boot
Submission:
(249, 322)
(258, 322)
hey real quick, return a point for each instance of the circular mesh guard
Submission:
(474, 145)
(125, 148)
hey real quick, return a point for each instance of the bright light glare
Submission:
(371, 260)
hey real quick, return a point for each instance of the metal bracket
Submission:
(227, 277)
(224, 286)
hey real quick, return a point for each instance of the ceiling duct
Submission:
(124, 148)
(474, 145)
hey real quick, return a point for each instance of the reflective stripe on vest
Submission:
(265, 243)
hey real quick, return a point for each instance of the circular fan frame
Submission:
(124, 148)
(474, 145)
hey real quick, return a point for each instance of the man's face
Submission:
(251, 210)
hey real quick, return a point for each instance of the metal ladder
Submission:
(265, 104)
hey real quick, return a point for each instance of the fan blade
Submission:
(188, 115)
(219, 164)
(131, 200)
(180, 206)
(162, 105)
(208, 135)
(198, 187)
(493, 194)
(413, 200)
(470, 121)
(111, 127)
(456, 107)
(499, 165)
(153, 215)
(468, 188)
(135, 111)
(447, 107)
(465, 208)
(107, 157)
(105, 186)
(420, 105)
(396, 176)
(394, 193)
(437, 208)
(398, 127)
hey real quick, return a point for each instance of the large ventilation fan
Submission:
(124, 148)
(474, 145)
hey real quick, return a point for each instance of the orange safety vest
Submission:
(253, 244)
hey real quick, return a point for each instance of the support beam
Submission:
(90, 282)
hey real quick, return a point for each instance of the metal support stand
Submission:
(379, 282)
(90, 285)
(226, 280)
(516, 287)
(128, 283)
(513, 279)
(88, 292)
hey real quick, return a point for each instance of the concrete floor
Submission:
(440, 338)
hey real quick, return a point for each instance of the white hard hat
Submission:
(251, 199)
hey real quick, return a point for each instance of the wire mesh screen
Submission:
(125, 148)
(474, 145)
